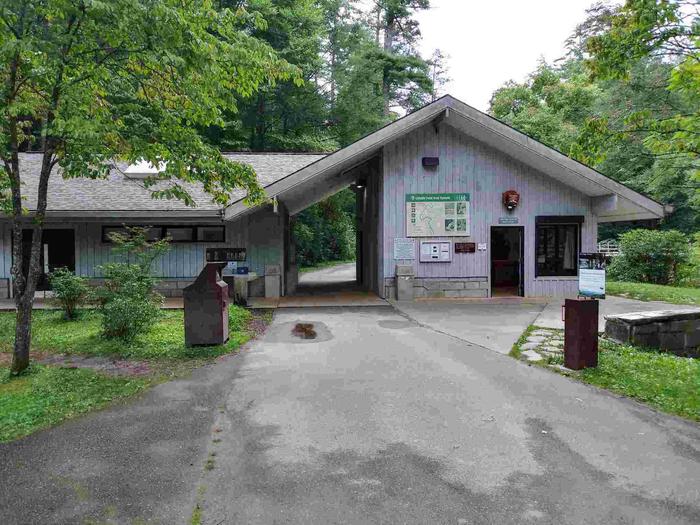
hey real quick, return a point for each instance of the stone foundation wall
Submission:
(4, 288)
(677, 331)
(441, 287)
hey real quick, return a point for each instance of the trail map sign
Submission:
(437, 215)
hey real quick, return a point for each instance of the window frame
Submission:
(556, 221)
(163, 229)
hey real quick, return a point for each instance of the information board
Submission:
(591, 275)
(437, 215)
(404, 249)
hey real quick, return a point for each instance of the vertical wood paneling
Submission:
(470, 166)
(183, 260)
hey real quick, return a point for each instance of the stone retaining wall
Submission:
(675, 331)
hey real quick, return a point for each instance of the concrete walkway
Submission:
(551, 315)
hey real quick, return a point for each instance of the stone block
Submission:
(167, 285)
(476, 293)
(650, 340)
(453, 285)
(434, 294)
(671, 341)
(618, 330)
(472, 285)
(692, 339)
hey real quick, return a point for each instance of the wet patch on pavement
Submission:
(288, 333)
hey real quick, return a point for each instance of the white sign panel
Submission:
(591, 275)
(404, 249)
(437, 215)
(435, 251)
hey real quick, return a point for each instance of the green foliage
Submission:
(654, 292)
(326, 231)
(47, 395)
(128, 302)
(664, 381)
(625, 101)
(92, 81)
(70, 291)
(650, 256)
(165, 340)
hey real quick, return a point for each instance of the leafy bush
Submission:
(650, 256)
(689, 273)
(70, 291)
(128, 302)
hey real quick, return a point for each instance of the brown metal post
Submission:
(580, 333)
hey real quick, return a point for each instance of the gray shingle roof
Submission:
(118, 193)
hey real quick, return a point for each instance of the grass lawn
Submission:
(47, 395)
(166, 340)
(664, 381)
(654, 292)
(325, 264)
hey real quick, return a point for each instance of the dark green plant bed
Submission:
(654, 292)
(166, 340)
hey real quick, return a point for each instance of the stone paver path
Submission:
(544, 345)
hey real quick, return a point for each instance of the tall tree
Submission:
(404, 75)
(666, 32)
(120, 79)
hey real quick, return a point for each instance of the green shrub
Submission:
(689, 273)
(129, 303)
(650, 256)
(70, 291)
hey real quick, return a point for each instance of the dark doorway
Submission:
(57, 251)
(507, 261)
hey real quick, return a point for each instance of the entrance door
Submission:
(57, 251)
(507, 256)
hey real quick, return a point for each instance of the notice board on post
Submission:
(437, 215)
(591, 275)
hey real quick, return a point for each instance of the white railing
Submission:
(609, 247)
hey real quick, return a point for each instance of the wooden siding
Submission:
(467, 165)
(260, 233)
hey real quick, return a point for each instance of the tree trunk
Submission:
(23, 334)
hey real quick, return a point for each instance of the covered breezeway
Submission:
(352, 284)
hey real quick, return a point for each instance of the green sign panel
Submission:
(437, 215)
(507, 220)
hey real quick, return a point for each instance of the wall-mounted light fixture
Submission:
(511, 199)
(431, 162)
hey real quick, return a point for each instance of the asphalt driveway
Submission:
(380, 419)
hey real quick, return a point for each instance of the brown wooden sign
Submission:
(465, 247)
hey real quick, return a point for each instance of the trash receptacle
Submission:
(206, 307)
(404, 282)
(580, 333)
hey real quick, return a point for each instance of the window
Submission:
(211, 234)
(180, 233)
(557, 246)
